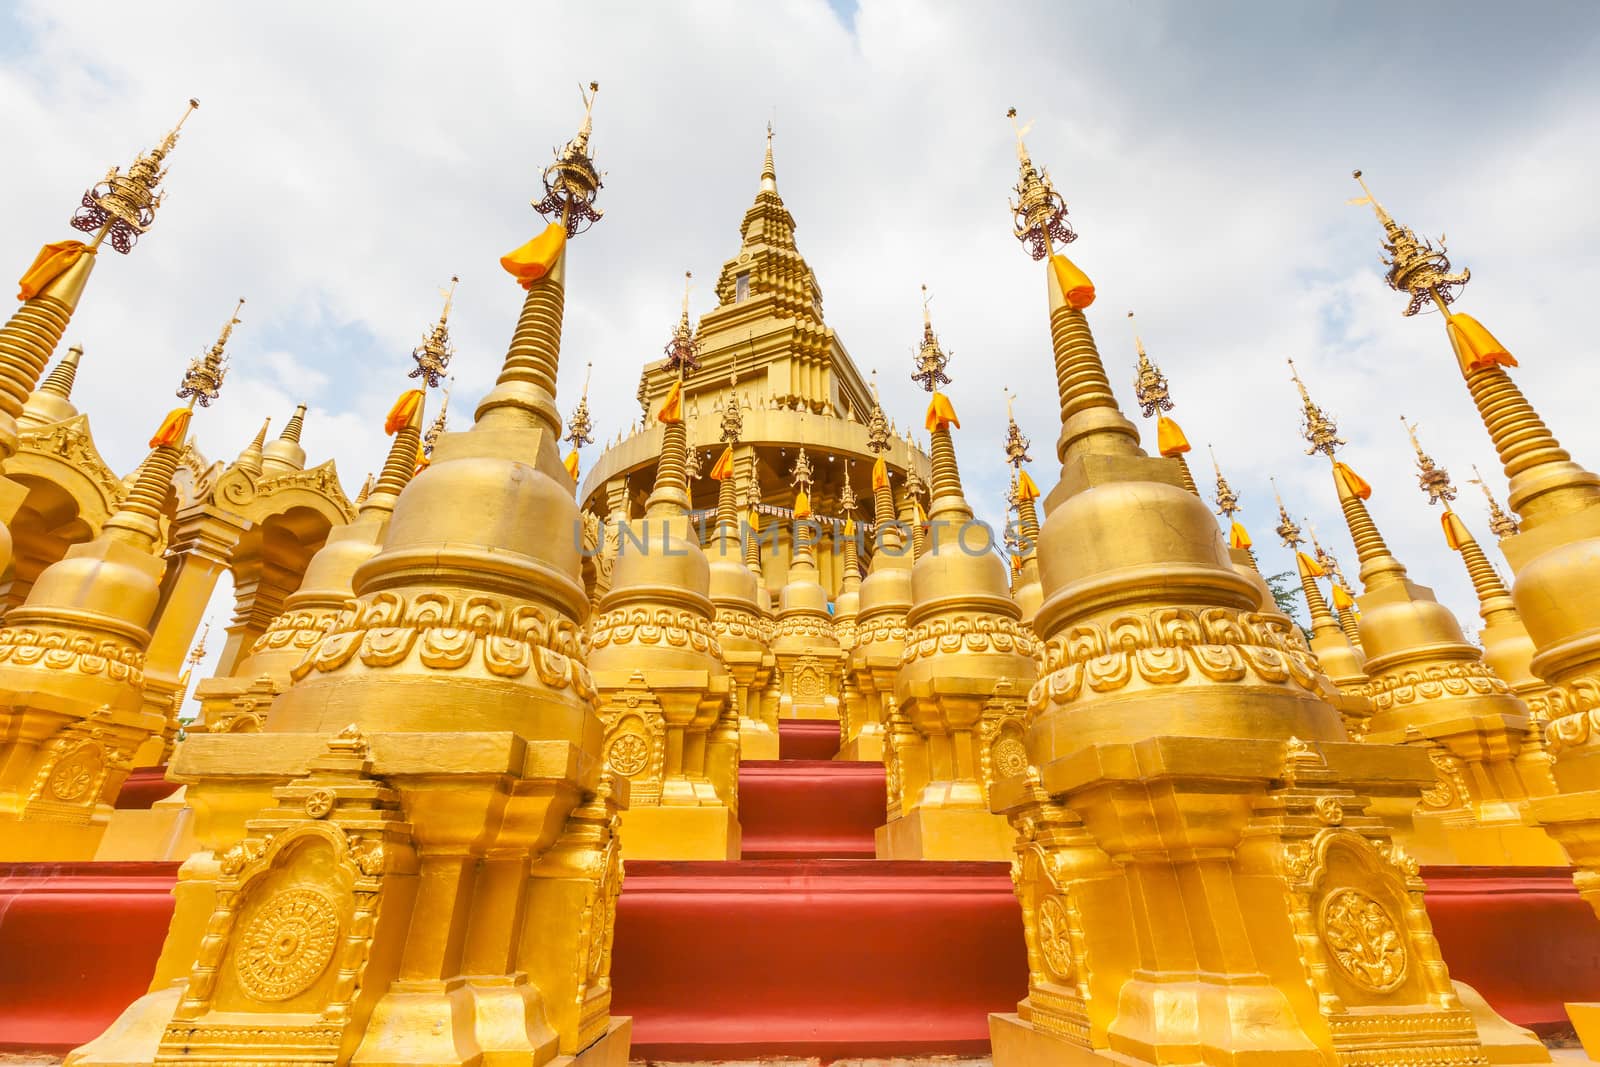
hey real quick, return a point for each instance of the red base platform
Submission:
(808, 739)
(810, 809)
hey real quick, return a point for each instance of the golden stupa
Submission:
(446, 715)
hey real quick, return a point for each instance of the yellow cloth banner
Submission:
(922, 516)
(1238, 536)
(802, 505)
(423, 461)
(1075, 285)
(880, 475)
(754, 521)
(1342, 600)
(722, 470)
(941, 416)
(1455, 531)
(1350, 482)
(1309, 568)
(407, 407)
(571, 463)
(1169, 438)
(536, 258)
(672, 407)
(849, 527)
(1475, 347)
(172, 428)
(1026, 489)
(53, 260)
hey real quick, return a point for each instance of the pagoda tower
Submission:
(809, 665)
(797, 386)
(435, 876)
(1023, 494)
(73, 658)
(118, 209)
(658, 665)
(1200, 879)
(882, 603)
(1431, 688)
(957, 721)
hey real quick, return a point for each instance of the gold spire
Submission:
(1288, 532)
(206, 371)
(931, 359)
(250, 458)
(1494, 601)
(198, 652)
(1415, 266)
(1227, 500)
(1149, 384)
(769, 173)
(1016, 444)
(1041, 214)
(571, 183)
(433, 355)
(1500, 524)
(62, 376)
(440, 421)
(752, 499)
(580, 426)
(296, 424)
(947, 495)
(1432, 478)
(1320, 431)
(400, 465)
(52, 401)
(683, 350)
(122, 206)
(365, 491)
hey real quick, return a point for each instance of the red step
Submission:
(808, 738)
(815, 958)
(810, 809)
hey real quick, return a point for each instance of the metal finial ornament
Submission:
(802, 476)
(1016, 444)
(433, 355)
(683, 351)
(1287, 531)
(580, 426)
(1325, 559)
(571, 183)
(931, 359)
(1431, 478)
(732, 417)
(122, 206)
(1040, 213)
(1320, 431)
(878, 428)
(1149, 384)
(1415, 265)
(203, 380)
(847, 495)
(440, 420)
(752, 486)
(1227, 500)
(1501, 524)
(693, 461)
(915, 486)
(198, 652)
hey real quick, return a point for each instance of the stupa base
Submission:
(164, 831)
(863, 748)
(757, 740)
(665, 832)
(946, 834)
(1015, 1043)
(42, 841)
(1444, 840)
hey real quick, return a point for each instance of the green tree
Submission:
(1285, 592)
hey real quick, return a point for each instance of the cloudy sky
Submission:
(349, 158)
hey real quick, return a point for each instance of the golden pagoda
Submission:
(415, 861)
(956, 725)
(73, 656)
(657, 663)
(808, 659)
(882, 603)
(1023, 495)
(1200, 878)
(1431, 688)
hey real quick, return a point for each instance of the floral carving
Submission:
(628, 754)
(1456, 679)
(982, 633)
(1364, 940)
(654, 626)
(60, 650)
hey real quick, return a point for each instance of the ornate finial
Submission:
(580, 426)
(847, 495)
(692, 464)
(198, 652)
(1041, 214)
(769, 173)
(1415, 266)
(203, 380)
(433, 355)
(1500, 524)
(916, 488)
(1432, 478)
(571, 183)
(802, 477)
(1320, 431)
(1149, 384)
(931, 359)
(1016, 445)
(878, 428)
(1325, 558)
(1287, 530)
(732, 413)
(683, 351)
(1227, 500)
(122, 206)
(431, 438)
(365, 490)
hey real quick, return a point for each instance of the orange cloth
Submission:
(423, 461)
(1455, 531)
(672, 408)
(538, 257)
(172, 428)
(849, 527)
(722, 470)
(1309, 567)
(53, 260)
(571, 463)
(1476, 348)
(755, 521)
(880, 475)
(1350, 482)
(1169, 438)
(941, 416)
(1075, 285)
(922, 516)
(405, 408)
(1238, 536)
(1342, 600)
(802, 505)
(1026, 489)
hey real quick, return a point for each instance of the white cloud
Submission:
(349, 158)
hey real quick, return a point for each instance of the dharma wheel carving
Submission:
(287, 945)
(1054, 938)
